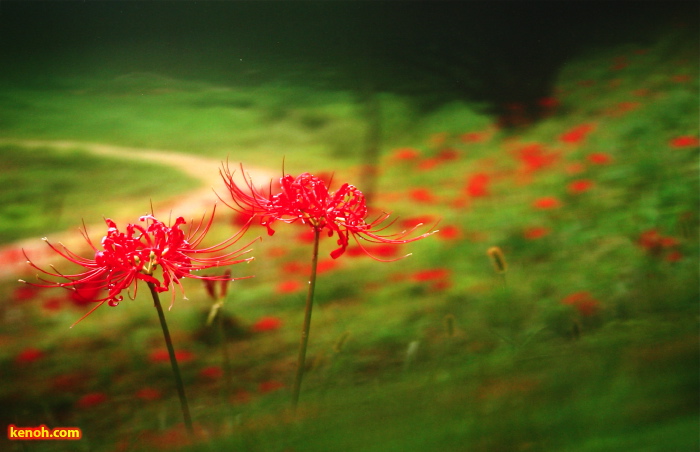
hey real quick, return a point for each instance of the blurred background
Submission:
(564, 133)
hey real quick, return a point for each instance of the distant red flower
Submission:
(428, 164)
(29, 355)
(685, 141)
(534, 157)
(449, 232)
(326, 265)
(448, 154)
(478, 185)
(307, 199)
(267, 324)
(148, 394)
(91, 400)
(406, 154)
(548, 102)
(161, 356)
(306, 236)
(548, 202)
(289, 286)
(125, 258)
(535, 233)
(599, 158)
(577, 134)
(654, 243)
(24, 293)
(432, 274)
(211, 373)
(674, 256)
(269, 386)
(53, 304)
(474, 137)
(580, 186)
(583, 302)
(422, 195)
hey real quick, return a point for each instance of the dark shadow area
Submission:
(505, 54)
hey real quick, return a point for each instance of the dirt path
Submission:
(189, 205)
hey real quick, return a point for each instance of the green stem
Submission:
(307, 322)
(173, 361)
(224, 354)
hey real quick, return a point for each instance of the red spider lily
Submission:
(583, 302)
(29, 355)
(580, 186)
(161, 356)
(406, 154)
(536, 232)
(449, 232)
(548, 202)
(148, 394)
(211, 373)
(290, 286)
(266, 324)
(307, 199)
(422, 195)
(685, 141)
(91, 400)
(599, 158)
(534, 157)
(127, 257)
(474, 137)
(577, 134)
(478, 185)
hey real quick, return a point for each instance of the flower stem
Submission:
(173, 361)
(307, 322)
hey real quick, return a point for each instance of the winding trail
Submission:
(189, 205)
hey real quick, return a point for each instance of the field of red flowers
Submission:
(555, 308)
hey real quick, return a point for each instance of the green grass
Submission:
(524, 371)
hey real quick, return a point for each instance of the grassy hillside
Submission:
(586, 343)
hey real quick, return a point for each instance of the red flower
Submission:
(289, 286)
(448, 154)
(674, 256)
(269, 386)
(685, 141)
(548, 102)
(24, 293)
(577, 134)
(422, 195)
(148, 394)
(449, 232)
(406, 154)
(535, 156)
(161, 356)
(535, 233)
(583, 302)
(211, 373)
(474, 137)
(548, 202)
(306, 199)
(53, 304)
(91, 400)
(599, 158)
(580, 186)
(29, 355)
(433, 274)
(654, 243)
(267, 324)
(125, 258)
(478, 185)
